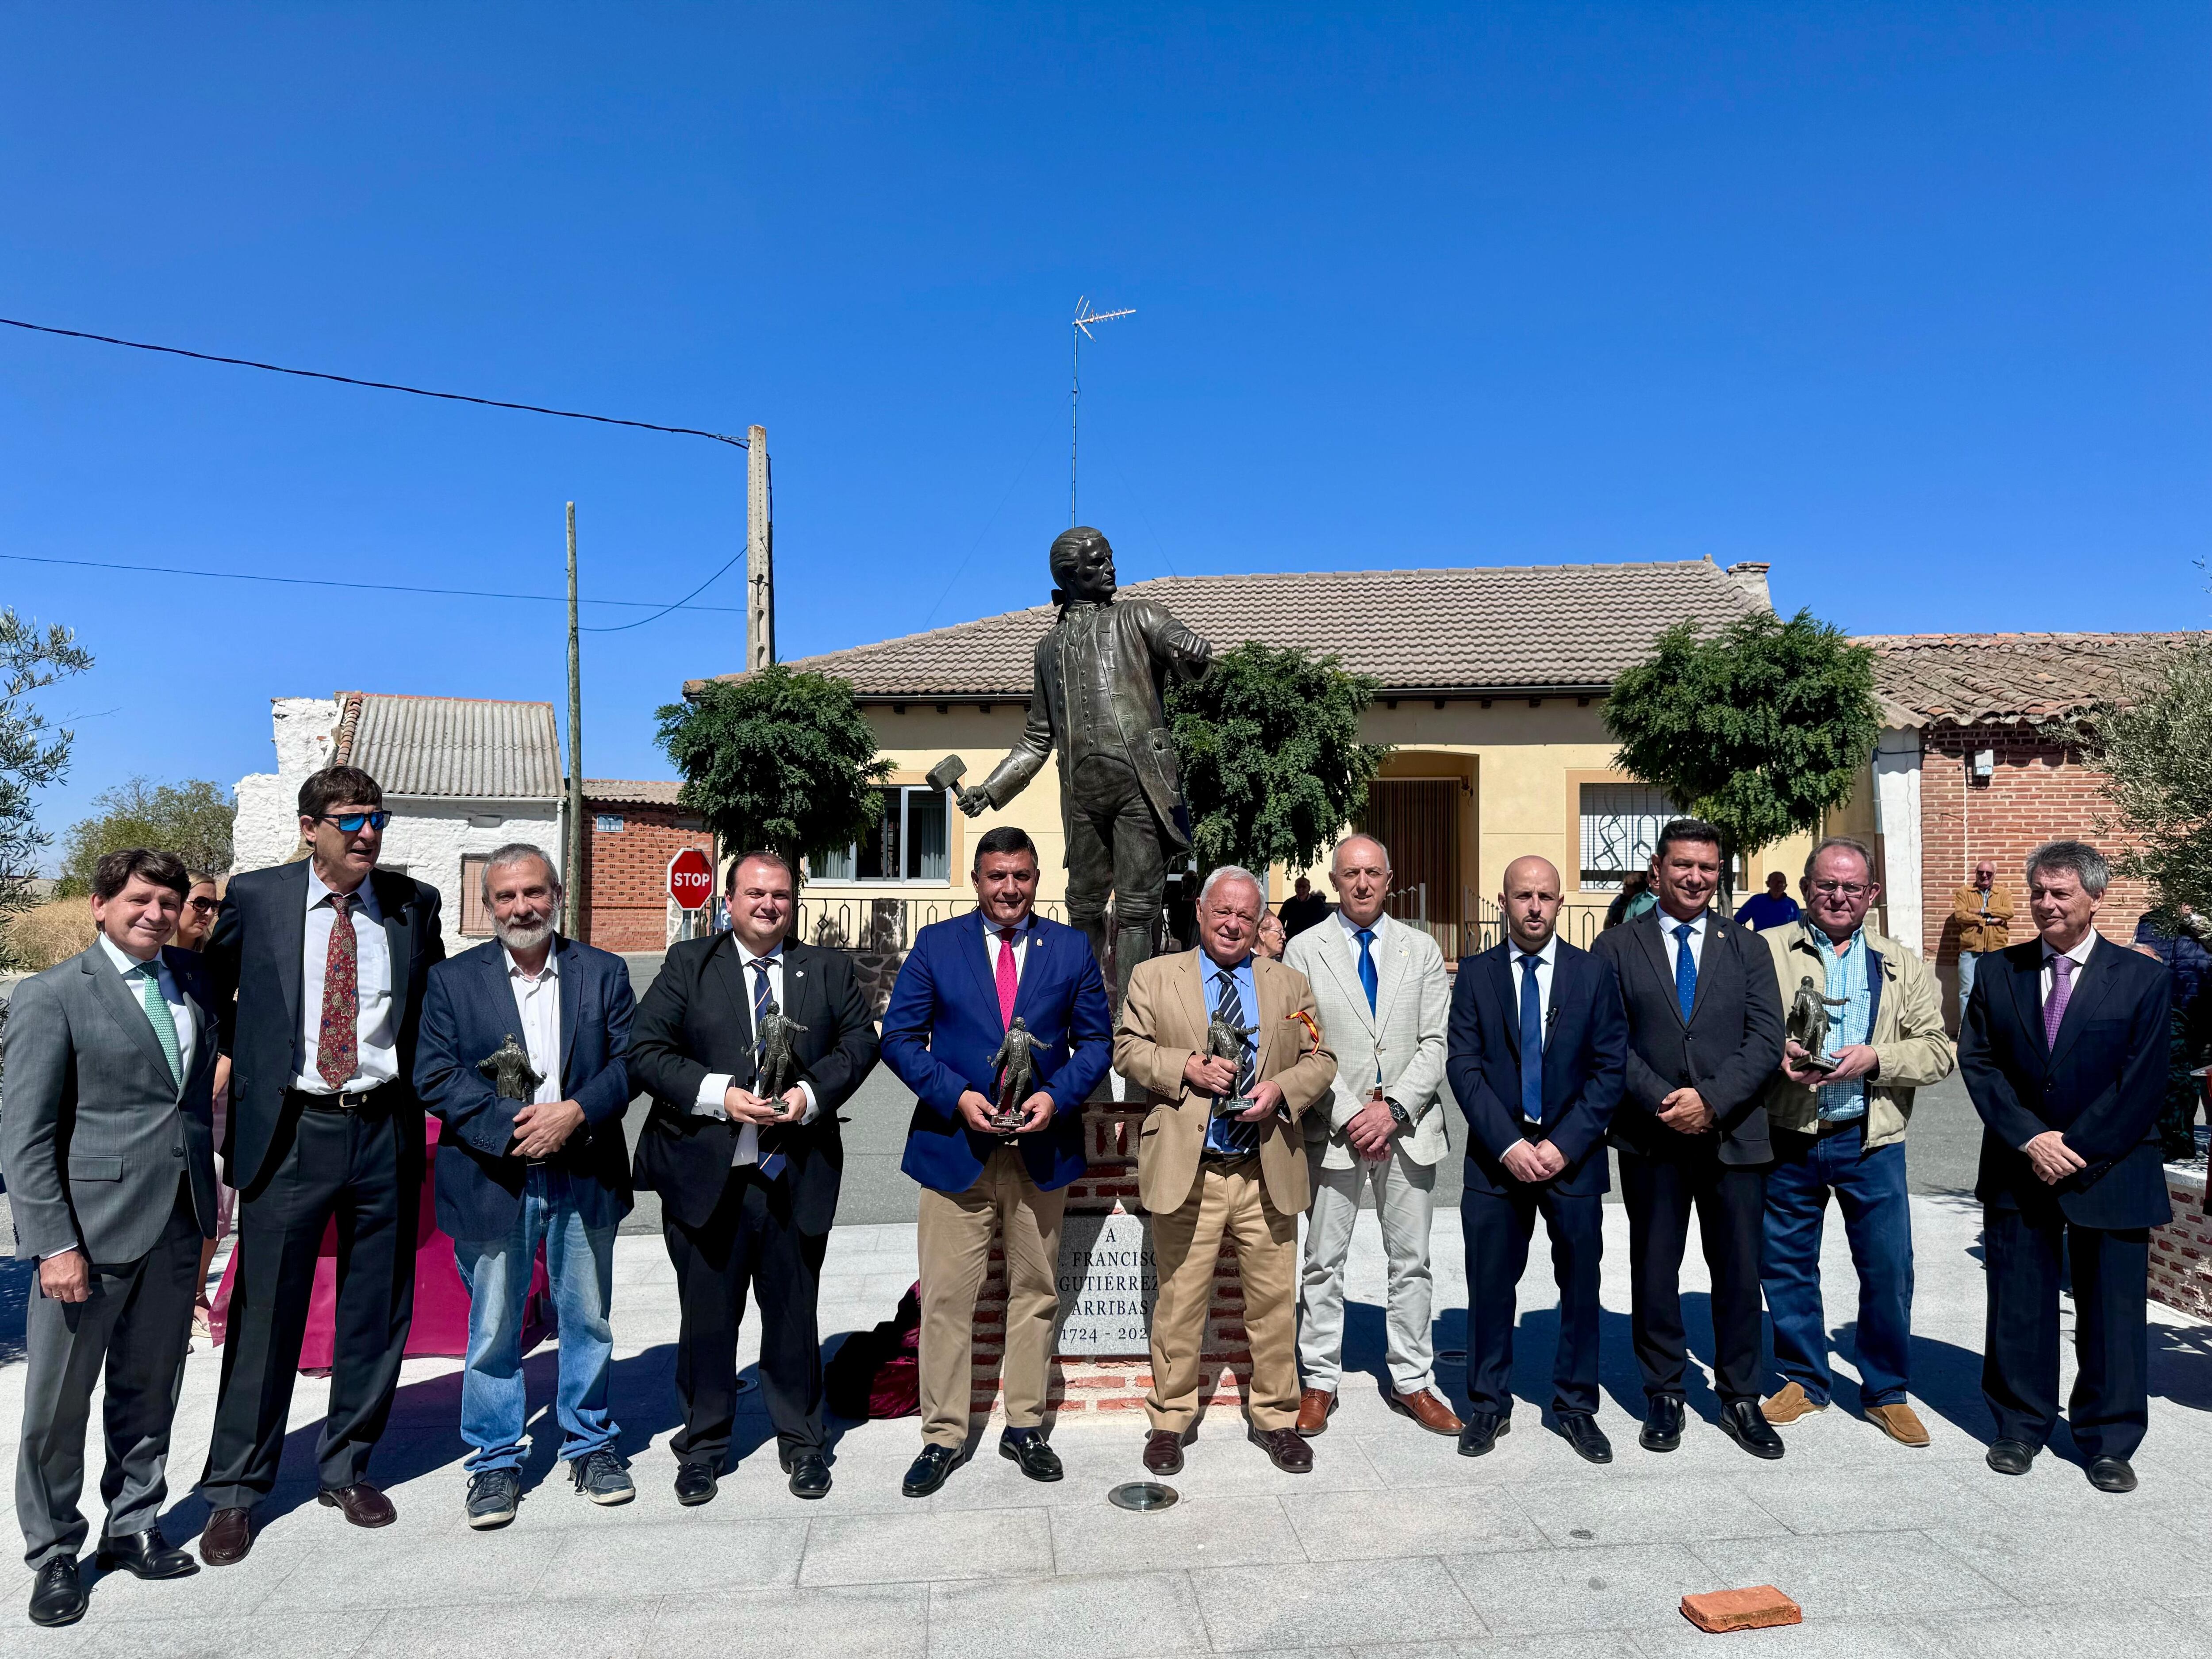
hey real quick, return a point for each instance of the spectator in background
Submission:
(194, 923)
(2177, 939)
(1772, 908)
(1272, 938)
(1633, 899)
(1300, 911)
(1983, 912)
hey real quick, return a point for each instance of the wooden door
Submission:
(1417, 819)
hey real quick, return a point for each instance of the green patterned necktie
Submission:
(165, 1027)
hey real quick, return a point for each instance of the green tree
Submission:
(32, 755)
(2153, 744)
(191, 819)
(777, 759)
(1273, 765)
(1760, 728)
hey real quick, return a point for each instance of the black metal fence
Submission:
(882, 926)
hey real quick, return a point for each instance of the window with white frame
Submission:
(1621, 825)
(911, 843)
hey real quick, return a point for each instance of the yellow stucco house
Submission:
(1494, 681)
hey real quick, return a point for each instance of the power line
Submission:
(375, 386)
(683, 604)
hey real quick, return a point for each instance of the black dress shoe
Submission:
(1480, 1431)
(931, 1470)
(2111, 1474)
(57, 1598)
(1662, 1424)
(144, 1555)
(1742, 1422)
(2011, 1456)
(1580, 1431)
(1027, 1448)
(1163, 1452)
(810, 1472)
(694, 1483)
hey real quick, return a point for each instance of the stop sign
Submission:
(692, 879)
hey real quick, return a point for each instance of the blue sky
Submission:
(1908, 300)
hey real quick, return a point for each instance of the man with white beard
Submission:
(523, 1057)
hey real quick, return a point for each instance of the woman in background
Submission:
(1272, 937)
(194, 923)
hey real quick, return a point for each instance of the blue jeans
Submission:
(1968, 961)
(1869, 1189)
(497, 1272)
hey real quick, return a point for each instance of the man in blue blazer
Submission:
(1538, 1052)
(2063, 1049)
(958, 993)
(529, 1155)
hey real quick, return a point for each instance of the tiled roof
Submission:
(1562, 626)
(636, 792)
(466, 748)
(1982, 679)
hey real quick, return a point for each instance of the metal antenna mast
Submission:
(1084, 316)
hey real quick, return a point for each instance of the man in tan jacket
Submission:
(1983, 912)
(1840, 1130)
(1204, 1173)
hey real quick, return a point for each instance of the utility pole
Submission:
(760, 553)
(572, 878)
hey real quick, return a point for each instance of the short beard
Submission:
(518, 936)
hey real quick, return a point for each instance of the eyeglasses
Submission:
(203, 905)
(1847, 889)
(352, 821)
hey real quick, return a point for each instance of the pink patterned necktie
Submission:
(2062, 987)
(1006, 986)
(337, 1040)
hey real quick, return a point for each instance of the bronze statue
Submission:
(1094, 704)
(1013, 1075)
(779, 1059)
(513, 1077)
(1808, 1025)
(1225, 1040)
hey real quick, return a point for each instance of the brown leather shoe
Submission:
(226, 1537)
(1788, 1403)
(1428, 1409)
(1899, 1423)
(1163, 1452)
(361, 1504)
(1316, 1408)
(1285, 1449)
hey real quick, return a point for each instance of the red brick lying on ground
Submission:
(1755, 1609)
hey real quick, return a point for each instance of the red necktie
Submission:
(1006, 986)
(337, 1042)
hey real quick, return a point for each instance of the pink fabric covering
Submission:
(441, 1304)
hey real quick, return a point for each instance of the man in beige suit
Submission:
(1205, 1173)
(1384, 1001)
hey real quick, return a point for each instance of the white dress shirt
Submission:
(2079, 955)
(993, 945)
(1667, 924)
(376, 1052)
(181, 1015)
(715, 1085)
(537, 1005)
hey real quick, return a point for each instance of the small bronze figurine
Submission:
(513, 1077)
(778, 1062)
(1225, 1040)
(1013, 1076)
(1808, 1025)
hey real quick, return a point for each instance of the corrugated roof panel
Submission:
(459, 747)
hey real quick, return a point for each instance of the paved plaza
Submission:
(1394, 1546)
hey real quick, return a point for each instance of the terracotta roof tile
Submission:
(1982, 679)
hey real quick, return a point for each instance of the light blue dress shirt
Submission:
(1846, 975)
(1226, 1135)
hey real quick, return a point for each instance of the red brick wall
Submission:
(2038, 792)
(2181, 1251)
(625, 899)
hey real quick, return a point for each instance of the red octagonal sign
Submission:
(692, 879)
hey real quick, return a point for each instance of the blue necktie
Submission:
(771, 1164)
(1225, 1135)
(1532, 1042)
(1685, 971)
(1369, 979)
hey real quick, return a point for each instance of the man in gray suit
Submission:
(108, 1147)
(1384, 1003)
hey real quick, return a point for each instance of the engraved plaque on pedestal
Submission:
(1107, 1280)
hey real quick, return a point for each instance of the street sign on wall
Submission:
(692, 879)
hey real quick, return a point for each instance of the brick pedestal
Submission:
(1083, 1383)
(2181, 1250)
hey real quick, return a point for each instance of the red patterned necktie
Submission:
(337, 1042)
(1006, 983)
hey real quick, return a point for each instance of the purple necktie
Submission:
(2062, 986)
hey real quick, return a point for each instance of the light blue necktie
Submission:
(771, 1164)
(164, 1024)
(1369, 979)
(1532, 1042)
(1685, 971)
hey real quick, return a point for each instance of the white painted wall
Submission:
(427, 840)
(1897, 807)
(267, 826)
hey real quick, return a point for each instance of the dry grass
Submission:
(51, 933)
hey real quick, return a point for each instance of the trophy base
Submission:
(1234, 1106)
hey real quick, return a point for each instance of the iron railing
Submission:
(882, 925)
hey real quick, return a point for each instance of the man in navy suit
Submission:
(2063, 1049)
(748, 1184)
(1537, 1051)
(548, 1167)
(962, 986)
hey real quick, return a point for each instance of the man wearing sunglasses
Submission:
(327, 956)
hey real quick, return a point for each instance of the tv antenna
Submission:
(1084, 316)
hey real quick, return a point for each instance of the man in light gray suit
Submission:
(108, 1147)
(1384, 1003)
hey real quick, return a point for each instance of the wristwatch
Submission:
(1399, 1115)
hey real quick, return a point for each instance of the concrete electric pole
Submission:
(572, 877)
(760, 553)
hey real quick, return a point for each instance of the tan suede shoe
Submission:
(1789, 1404)
(1898, 1423)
